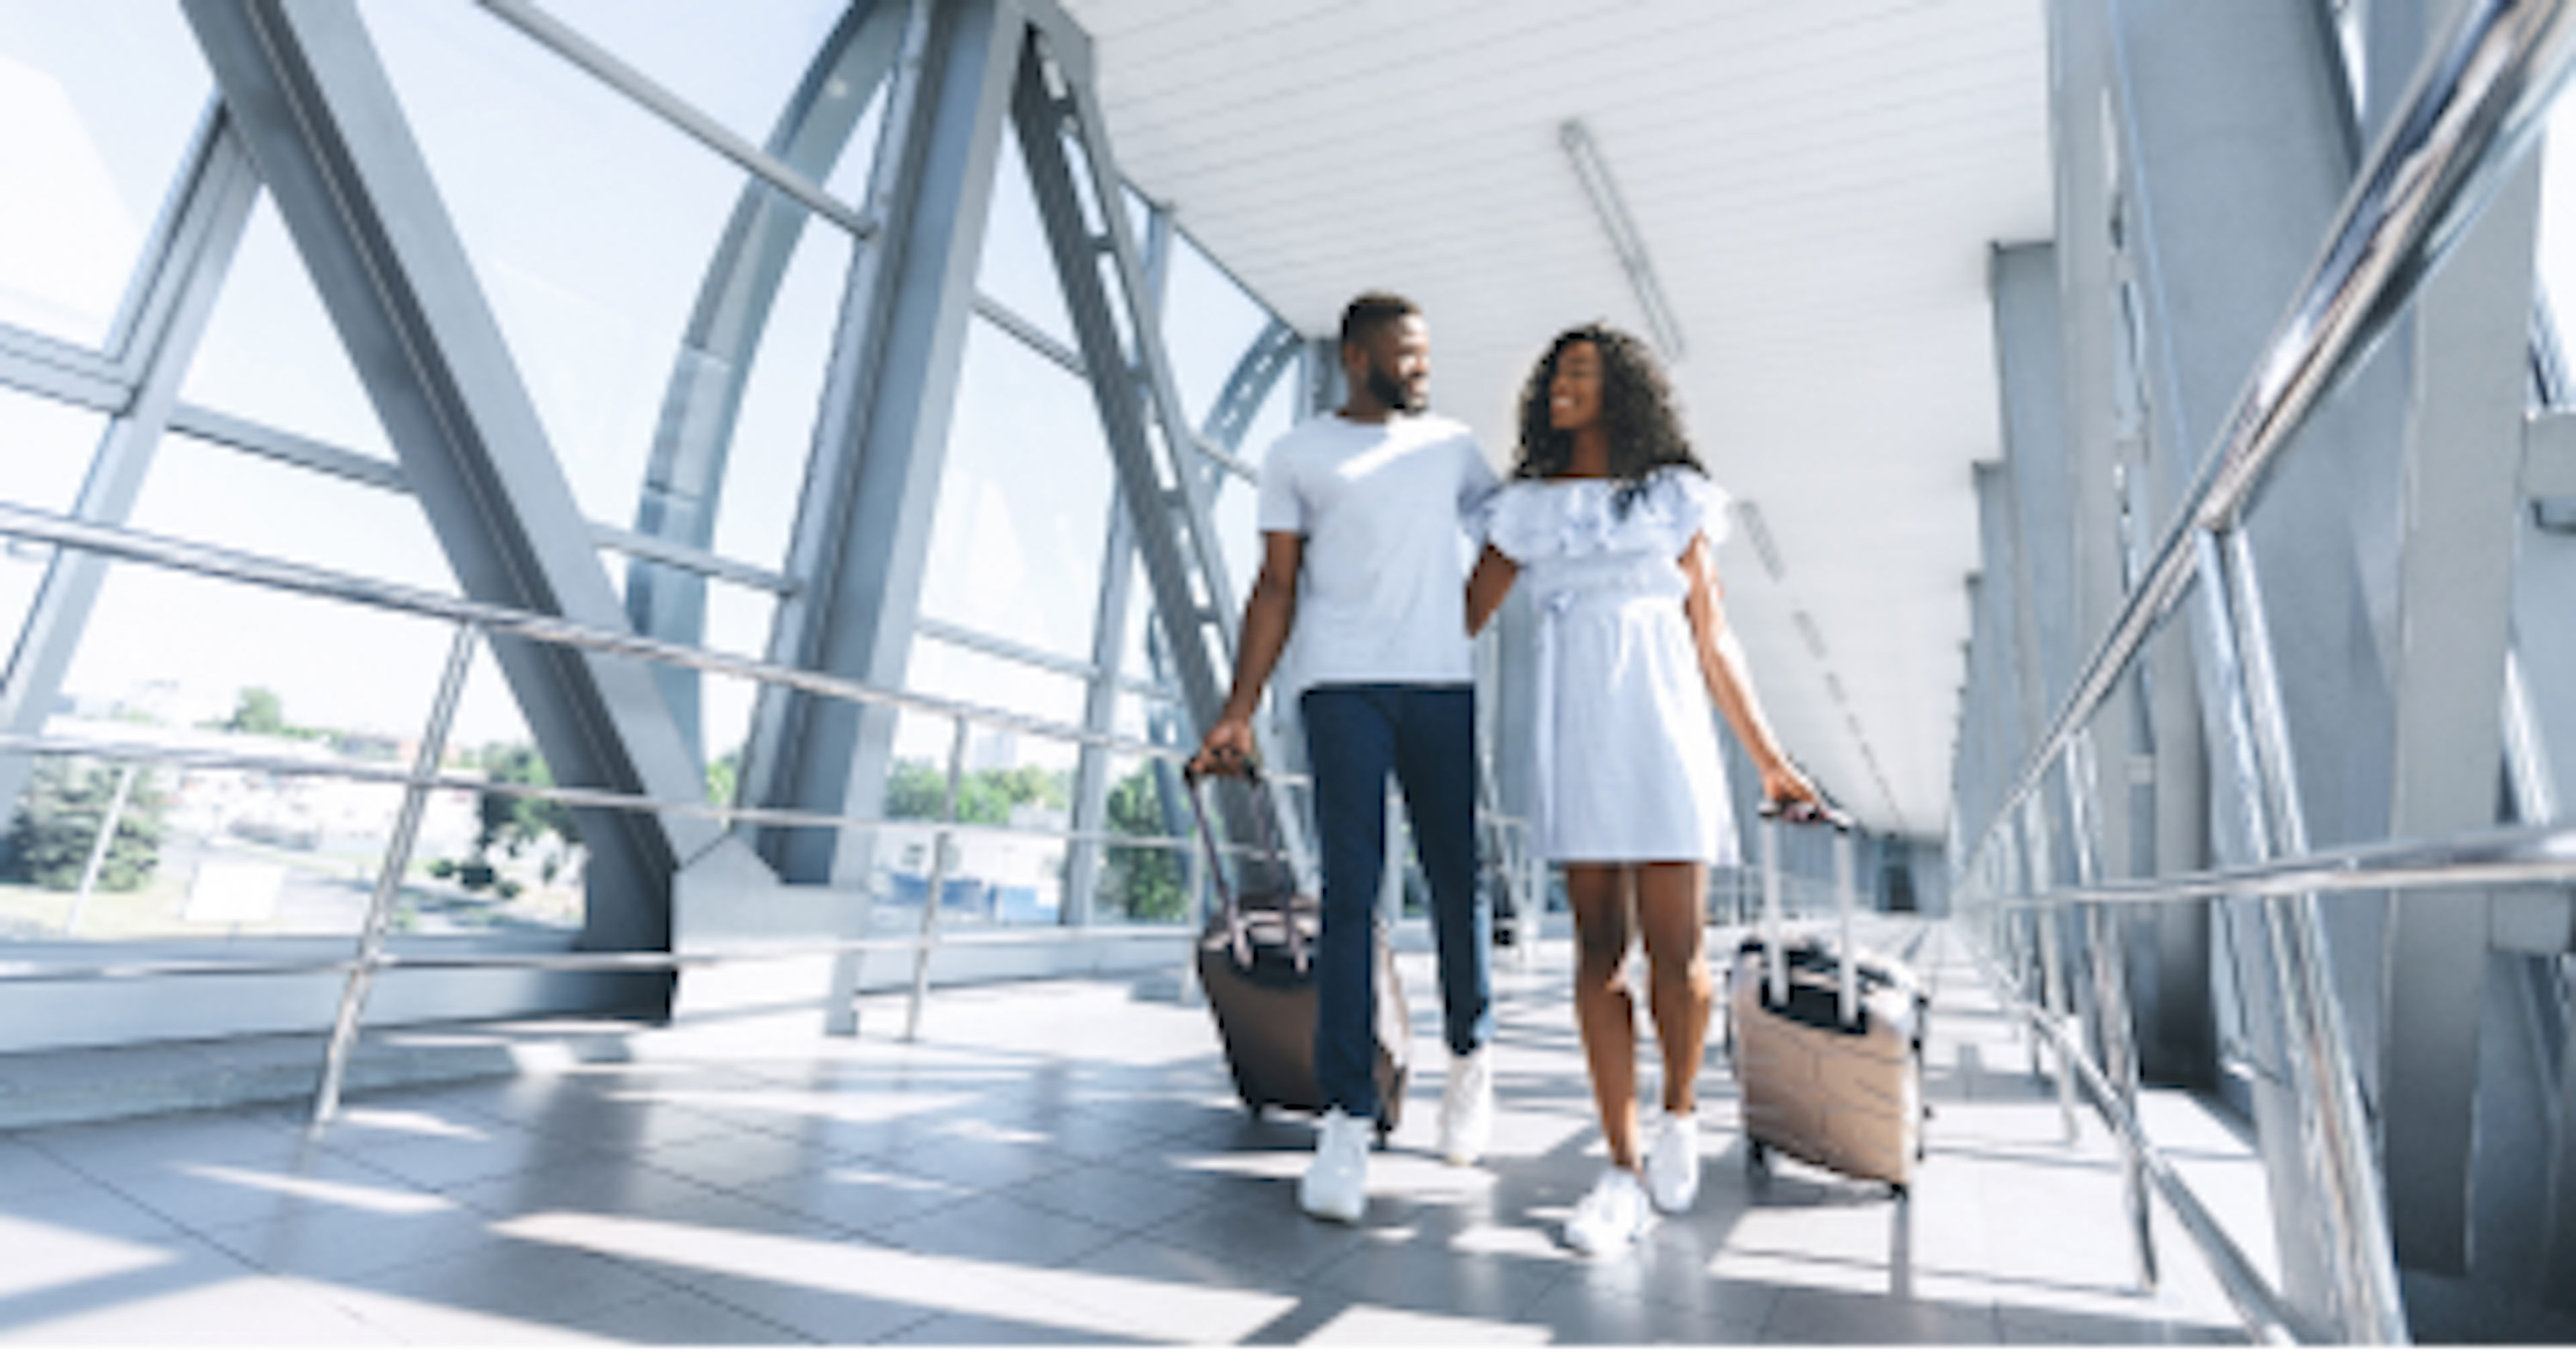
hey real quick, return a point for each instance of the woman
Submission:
(1612, 517)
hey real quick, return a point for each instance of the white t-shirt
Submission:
(1390, 511)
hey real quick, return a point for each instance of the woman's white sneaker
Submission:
(1610, 1219)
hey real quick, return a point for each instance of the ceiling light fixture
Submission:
(1748, 516)
(1604, 192)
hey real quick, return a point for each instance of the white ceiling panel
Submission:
(1819, 185)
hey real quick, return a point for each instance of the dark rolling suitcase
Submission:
(1827, 1041)
(1256, 961)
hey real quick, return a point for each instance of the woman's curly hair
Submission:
(1637, 406)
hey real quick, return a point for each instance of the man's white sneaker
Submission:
(1467, 1108)
(1610, 1219)
(1336, 1183)
(1672, 1164)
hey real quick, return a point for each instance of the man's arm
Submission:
(1268, 614)
(1488, 586)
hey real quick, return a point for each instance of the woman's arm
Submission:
(1730, 683)
(1488, 586)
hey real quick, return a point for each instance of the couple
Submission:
(1612, 518)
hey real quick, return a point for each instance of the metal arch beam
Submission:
(863, 525)
(1270, 356)
(693, 441)
(303, 85)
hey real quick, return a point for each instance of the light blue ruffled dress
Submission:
(1628, 767)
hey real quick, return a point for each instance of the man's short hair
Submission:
(1371, 311)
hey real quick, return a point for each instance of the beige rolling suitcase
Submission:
(1827, 1041)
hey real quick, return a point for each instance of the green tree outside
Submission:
(58, 820)
(1149, 883)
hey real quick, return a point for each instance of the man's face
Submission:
(1399, 364)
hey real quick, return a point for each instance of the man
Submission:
(1361, 514)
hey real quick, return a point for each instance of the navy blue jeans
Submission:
(1356, 734)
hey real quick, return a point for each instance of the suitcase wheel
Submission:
(1757, 1156)
(1900, 1191)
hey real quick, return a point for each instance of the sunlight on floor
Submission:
(1062, 1299)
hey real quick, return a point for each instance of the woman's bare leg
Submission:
(1670, 902)
(1603, 1008)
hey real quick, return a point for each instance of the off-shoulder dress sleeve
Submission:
(1688, 503)
(1518, 522)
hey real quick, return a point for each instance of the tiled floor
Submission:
(1052, 1163)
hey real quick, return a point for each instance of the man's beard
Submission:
(1390, 391)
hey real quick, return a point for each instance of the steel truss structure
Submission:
(307, 116)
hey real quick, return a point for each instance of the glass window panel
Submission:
(1139, 882)
(45, 450)
(234, 852)
(1008, 781)
(737, 622)
(199, 643)
(737, 64)
(938, 669)
(504, 865)
(199, 491)
(190, 662)
(1271, 421)
(271, 354)
(48, 448)
(1208, 323)
(773, 431)
(1024, 502)
(594, 228)
(1018, 268)
(98, 104)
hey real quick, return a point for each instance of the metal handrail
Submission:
(266, 572)
(2266, 1316)
(177, 757)
(124, 544)
(2476, 104)
(2499, 857)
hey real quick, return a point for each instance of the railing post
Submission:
(2334, 1138)
(99, 847)
(2108, 948)
(389, 876)
(940, 849)
(2052, 973)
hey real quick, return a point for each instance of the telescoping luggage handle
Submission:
(1238, 941)
(1774, 956)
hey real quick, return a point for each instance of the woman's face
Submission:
(1574, 391)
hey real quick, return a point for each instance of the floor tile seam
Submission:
(1099, 1237)
(1772, 1325)
(174, 1228)
(1193, 1207)
(913, 1321)
(1644, 1296)
(762, 1318)
(663, 1278)
(1557, 1268)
